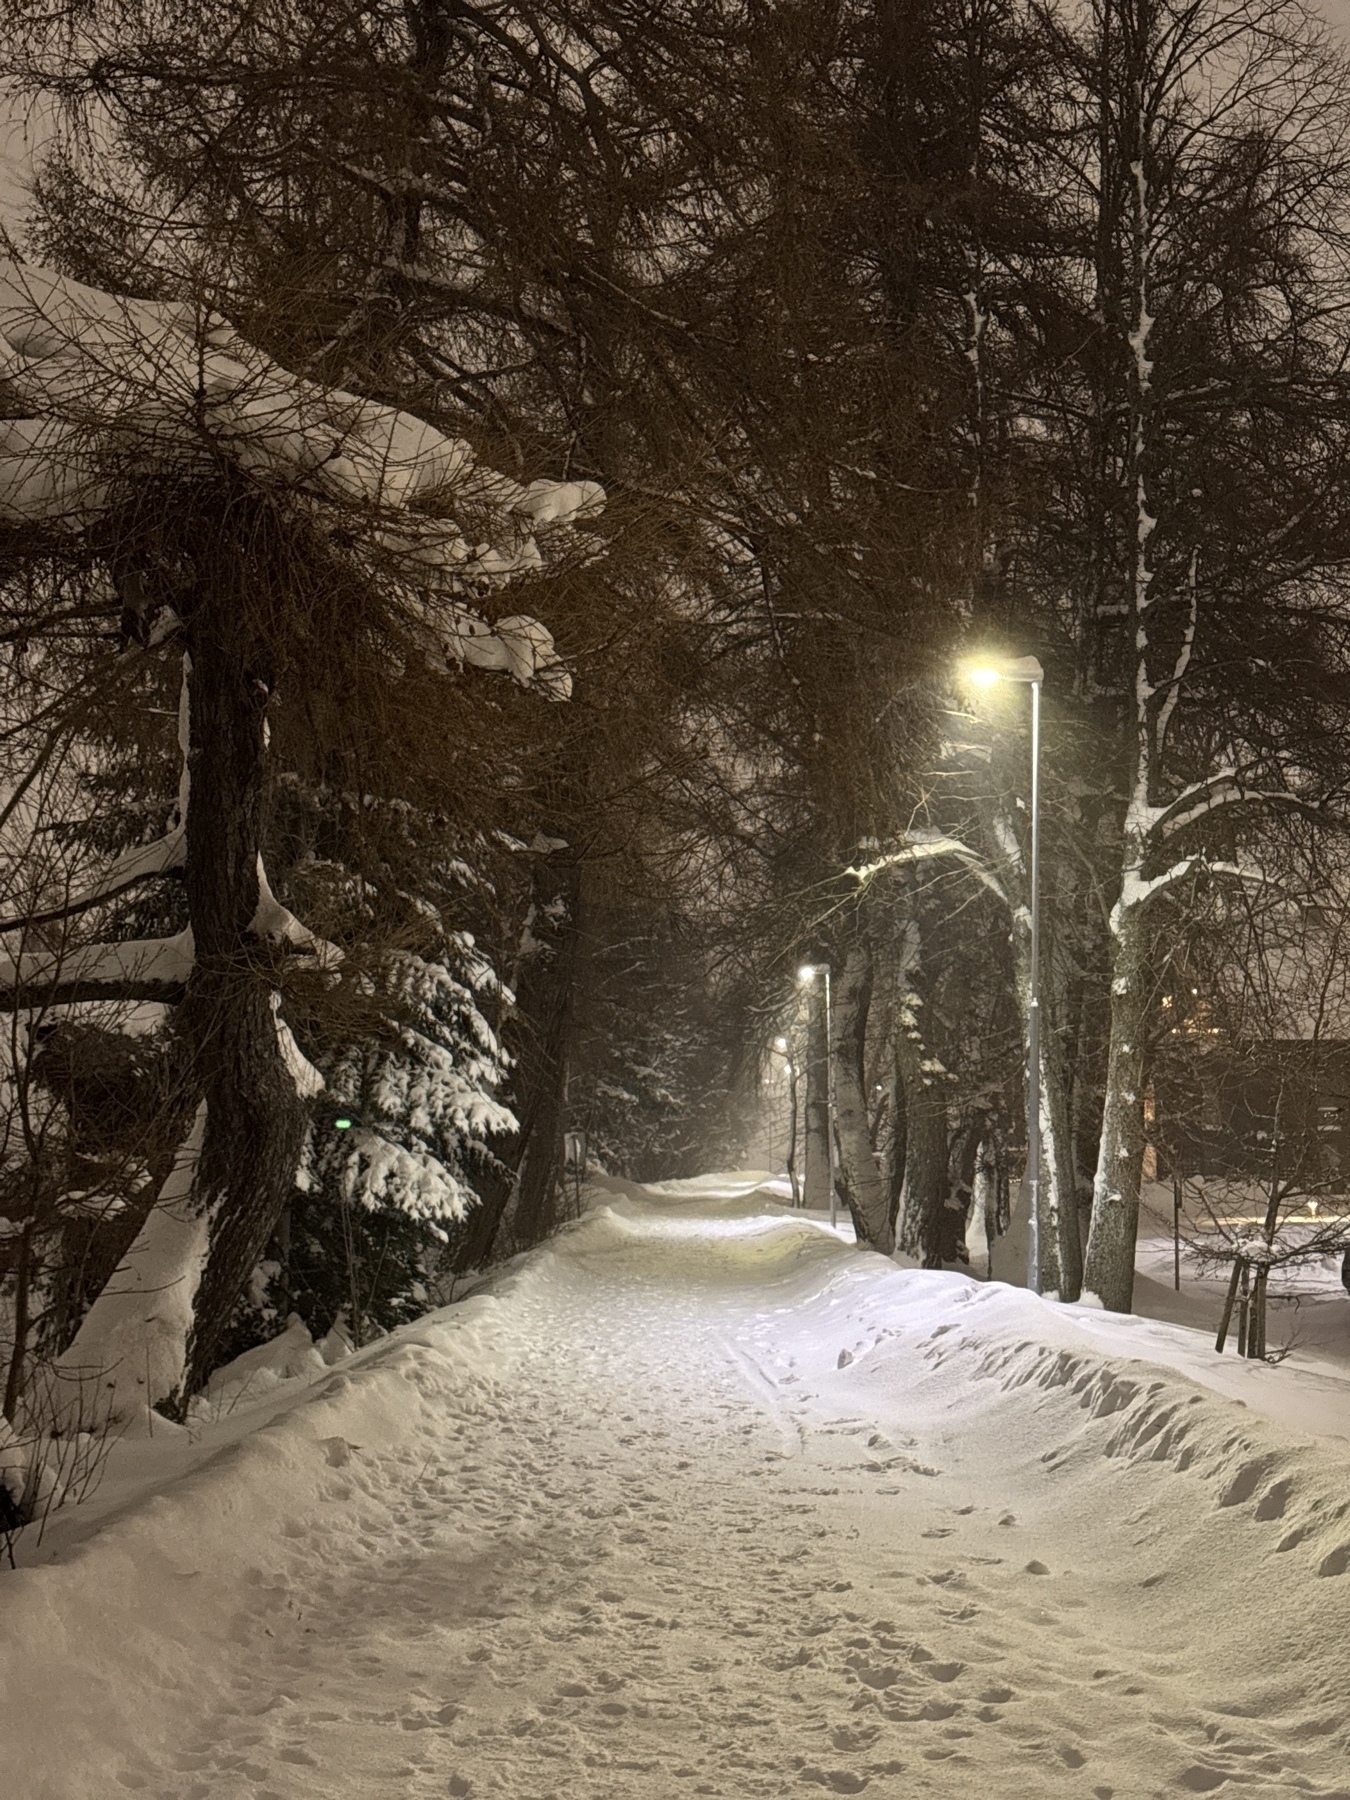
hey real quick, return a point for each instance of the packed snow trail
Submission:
(701, 1501)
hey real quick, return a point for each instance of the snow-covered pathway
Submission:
(705, 1503)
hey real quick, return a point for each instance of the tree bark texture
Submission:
(896, 1144)
(1059, 1237)
(816, 1187)
(859, 1178)
(1108, 1270)
(794, 1180)
(1059, 1183)
(924, 1195)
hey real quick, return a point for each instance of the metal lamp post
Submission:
(806, 975)
(1028, 671)
(574, 1160)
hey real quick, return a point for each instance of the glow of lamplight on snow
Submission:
(780, 1043)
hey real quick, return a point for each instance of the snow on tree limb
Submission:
(131, 1346)
(1216, 791)
(1137, 890)
(141, 969)
(277, 924)
(925, 846)
(111, 384)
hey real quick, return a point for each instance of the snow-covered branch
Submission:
(141, 969)
(113, 386)
(1215, 792)
(1137, 890)
(926, 846)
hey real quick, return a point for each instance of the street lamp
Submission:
(574, 1160)
(807, 975)
(1027, 670)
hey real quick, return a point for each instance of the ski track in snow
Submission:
(713, 1525)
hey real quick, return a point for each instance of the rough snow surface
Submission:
(701, 1500)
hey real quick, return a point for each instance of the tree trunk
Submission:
(255, 1116)
(1059, 1186)
(234, 1172)
(1058, 1234)
(131, 1349)
(859, 1178)
(793, 1179)
(924, 1194)
(1108, 1271)
(546, 1006)
(896, 1145)
(816, 1188)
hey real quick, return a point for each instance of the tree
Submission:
(238, 509)
(1209, 363)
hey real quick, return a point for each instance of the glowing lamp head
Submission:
(780, 1043)
(806, 974)
(988, 671)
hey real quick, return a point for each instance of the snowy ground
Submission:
(700, 1500)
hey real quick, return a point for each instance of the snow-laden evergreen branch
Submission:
(113, 385)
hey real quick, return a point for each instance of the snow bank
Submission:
(108, 1641)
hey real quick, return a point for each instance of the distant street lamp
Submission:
(574, 1162)
(985, 673)
(807, 975)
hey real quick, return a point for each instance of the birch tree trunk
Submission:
(1108, 1273)
(1059, 1183)
(1109, 1265)
(1061, 1249)
(859, 1178)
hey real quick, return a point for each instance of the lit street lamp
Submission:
(807, 975)
(1027, 670)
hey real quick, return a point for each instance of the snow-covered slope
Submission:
(699, 1499)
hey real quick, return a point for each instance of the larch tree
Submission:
(243, 516)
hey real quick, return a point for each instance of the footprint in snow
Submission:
(854, 1737)
(839, 1781)
(1201, 1779)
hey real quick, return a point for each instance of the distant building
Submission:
(1253, 1078)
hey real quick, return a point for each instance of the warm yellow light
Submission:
(982, 675)
(806, 973)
